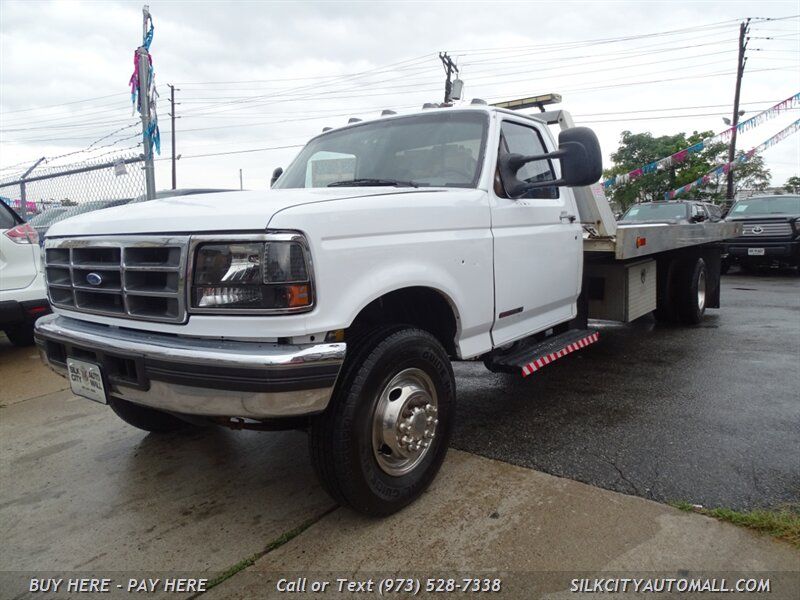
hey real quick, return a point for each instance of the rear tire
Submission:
(692, 291)
(384, 435)
(665, 311)
(20, 335)
(146, 419)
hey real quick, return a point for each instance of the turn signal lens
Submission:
(298, 295)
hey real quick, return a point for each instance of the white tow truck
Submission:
(336, 300)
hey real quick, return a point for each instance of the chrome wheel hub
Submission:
(404, 422)
(701, 291)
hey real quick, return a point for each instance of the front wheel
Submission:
(385, 434)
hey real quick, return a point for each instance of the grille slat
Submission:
(130, 277)
(767, 229)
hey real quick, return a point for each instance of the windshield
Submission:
(770, 205)
(442, 149)
(655, 212)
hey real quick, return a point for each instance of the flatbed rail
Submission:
(643, 239)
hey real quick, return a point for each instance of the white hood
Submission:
(223, 211)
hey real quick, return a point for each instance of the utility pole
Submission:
(744, 29)
(172, 118)
(144, 107)
(449, 68)
(241, 184)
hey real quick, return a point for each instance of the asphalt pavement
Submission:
(707, 414)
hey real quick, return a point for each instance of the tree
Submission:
(748, 175)
(639, 149)
(792, 185)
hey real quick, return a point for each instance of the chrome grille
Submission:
(767, 229)
(130, 277)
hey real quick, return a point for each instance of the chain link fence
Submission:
(99, 182)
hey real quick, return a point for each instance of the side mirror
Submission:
(578, 152)
(275, 175)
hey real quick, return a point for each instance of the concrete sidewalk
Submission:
(82, 493)
(484, 517)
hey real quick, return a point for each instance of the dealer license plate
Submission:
(86, 380)
(755, 252)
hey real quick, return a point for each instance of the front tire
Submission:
(146, 419)
(384, 435)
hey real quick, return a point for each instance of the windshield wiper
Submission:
(375, 182)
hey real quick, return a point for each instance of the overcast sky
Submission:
(255, 75)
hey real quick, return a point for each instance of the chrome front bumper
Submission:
(197, 376)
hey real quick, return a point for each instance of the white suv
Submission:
(23, 297)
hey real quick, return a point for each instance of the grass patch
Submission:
(276, 543)
(783, 523)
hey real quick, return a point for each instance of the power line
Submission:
(238, 151)
(656, 118)
(8, 112)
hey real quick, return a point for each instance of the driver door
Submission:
(538, 244)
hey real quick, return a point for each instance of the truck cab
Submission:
(336, 300)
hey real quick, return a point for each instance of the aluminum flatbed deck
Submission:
(645, 239)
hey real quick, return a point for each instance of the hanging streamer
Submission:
(724, 136)
(726, 168)
(152, 132)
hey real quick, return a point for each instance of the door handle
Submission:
(565, 215)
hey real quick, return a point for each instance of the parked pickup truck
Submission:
(770, 232)
(336, 301)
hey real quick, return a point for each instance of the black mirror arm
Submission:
(511, 163)
(517, 161)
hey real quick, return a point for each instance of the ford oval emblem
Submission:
(94, 279)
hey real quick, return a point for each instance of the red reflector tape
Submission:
(641, 241)
(537, 364)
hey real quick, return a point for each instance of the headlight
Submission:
(273, 275)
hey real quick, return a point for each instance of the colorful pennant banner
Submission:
(724, 169)
(724, 136)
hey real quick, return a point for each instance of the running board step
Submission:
(529, 357)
